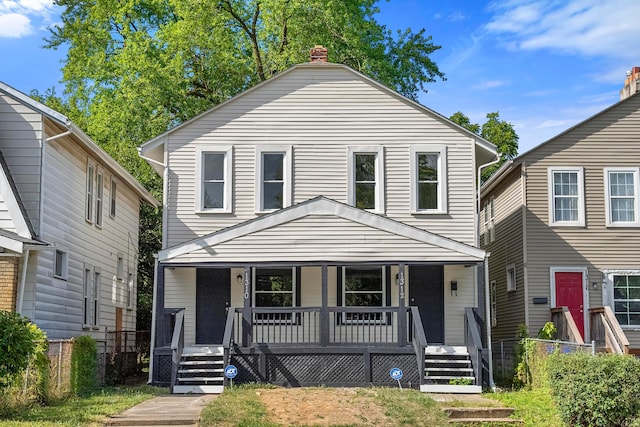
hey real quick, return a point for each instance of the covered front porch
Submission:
(340, 310)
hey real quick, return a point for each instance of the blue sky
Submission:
(545, 65)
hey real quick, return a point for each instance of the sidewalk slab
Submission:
(166, 410)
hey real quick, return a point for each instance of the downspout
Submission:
(153, 319)
(487, 304)
(23, 280)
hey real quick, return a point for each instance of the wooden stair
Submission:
(201, 370)
(446, 370)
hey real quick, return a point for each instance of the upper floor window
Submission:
(90, 191)
(428, 179)
(113, 197)
(489, 222)
(621, 194)
(274, 175)
(213, 179)
(99, 197)
(366, 178)
(566, 196)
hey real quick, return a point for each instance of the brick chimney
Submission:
(319, 53)
(631, 84)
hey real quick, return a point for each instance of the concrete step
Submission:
(197, 389)
(451, 388)
(478, 412)
(487, 422)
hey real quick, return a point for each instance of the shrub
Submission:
(83, 365)
(600, 390)
(21, 343)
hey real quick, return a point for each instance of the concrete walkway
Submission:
(166, 410)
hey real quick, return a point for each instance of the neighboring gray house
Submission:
(562, 224)
(318, 228)
(68, 224)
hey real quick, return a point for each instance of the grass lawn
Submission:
(535, 406)
(82, 411)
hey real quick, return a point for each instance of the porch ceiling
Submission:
(321, 229)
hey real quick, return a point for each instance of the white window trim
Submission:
(512, 285)
(607, 199)
(294, 280)
(65, 262)
(228, 178)
(95, 297)
(581, 220)
(287, 175)
(378, 150)
(87, 300)
(607, 290)
(383, 317)
(90, 189)
(99, 198)
(441, 151)
(493, 300)
(113, 197)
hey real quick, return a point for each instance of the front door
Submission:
(569, 293)
(213, 297)
(426, 291)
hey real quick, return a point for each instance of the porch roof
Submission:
(318, 230)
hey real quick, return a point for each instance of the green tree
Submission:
(135, 69)
(496, 131)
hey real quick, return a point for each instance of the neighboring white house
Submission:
(68, 224)
(318, 228)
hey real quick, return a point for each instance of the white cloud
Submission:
(489, 84)
(16, 17)
(584, 27)
(14, 25)
(552, 123)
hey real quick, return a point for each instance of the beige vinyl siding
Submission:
(505, 250)
(454, 305)
(57, 305)
(21, 135)
(611, 139)
(319, 115)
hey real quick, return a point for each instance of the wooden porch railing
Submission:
(177, 345)
(473, 327)
(313, 326)
(606, 331)
(565, 325)
(419, 340)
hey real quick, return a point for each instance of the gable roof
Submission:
(330, 211)
(152, 150)
(82, 139)
(13, 202)
(508, 166)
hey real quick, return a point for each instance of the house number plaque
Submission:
(401, 283)
(246, 286)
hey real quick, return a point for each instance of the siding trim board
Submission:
(324, 207)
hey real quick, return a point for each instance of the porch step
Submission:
(481, 416)
(201, 368)
(451, 388)
(448, 365)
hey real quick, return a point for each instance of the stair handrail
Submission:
(566, 325)
(473, 342)
(177, 346)
(614, 336)
(419, 340)
(227, 338)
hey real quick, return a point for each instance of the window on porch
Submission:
(274, 287)
(626, 299)
(363, 287)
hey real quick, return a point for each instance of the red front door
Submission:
(569, 294)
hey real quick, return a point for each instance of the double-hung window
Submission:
(621, 194)
(493, 299)
(213, 179)
(511, 278)
(61, 262)
(275, 288)
(363, 287)
(366, 178)
(428, 168)
(99, 197)
(626, 296)
(86, 292)
(274, 175)
(566, 196)
(96, 297)
(90, 183)
(113, 197)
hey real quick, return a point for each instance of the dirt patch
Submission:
(323, 407)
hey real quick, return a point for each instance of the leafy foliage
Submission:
(597, 390)
(83, 365)
(21, 342)
(548, 331)
(136, 69)
(496, 131)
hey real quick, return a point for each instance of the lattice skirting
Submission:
(162, 368)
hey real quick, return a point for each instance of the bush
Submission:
(21, 343)
(602, 390)
(83, 365)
